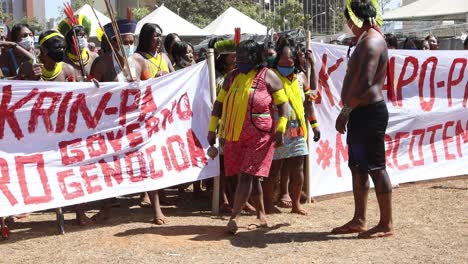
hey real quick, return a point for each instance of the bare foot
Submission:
(249, 208)
(272, 210)
(285, 201)
(261, 223)
(101, 216)
(304, 197)
(299, 211)
(232, 226)
(160, 221)
(83, 220)
(225, 208)
(377, 232)
(353, 226)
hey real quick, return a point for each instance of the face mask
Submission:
(129, 49)
(26, 43)
(270, 60)
(82, 43)
(56, 55)
(285, 71)
(244, 67)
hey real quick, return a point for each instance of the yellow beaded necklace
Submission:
(51, 75)
(85, 56)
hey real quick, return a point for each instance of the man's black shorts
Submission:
(366, 132)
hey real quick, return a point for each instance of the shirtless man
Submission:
(364, 115)
(106, 68)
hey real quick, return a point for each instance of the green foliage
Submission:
(203, 12)
(139, 13)
(77, 4)
(291, 14)
(33, 23)
(4, 16)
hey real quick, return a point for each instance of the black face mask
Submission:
(56, 55)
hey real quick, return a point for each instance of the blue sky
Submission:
(52, 8)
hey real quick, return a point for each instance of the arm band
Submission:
(314, 125)
(280, 97)
(221, 96)
(213, 124)
(281, 126)
(312, 118)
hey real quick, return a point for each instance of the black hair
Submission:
(16, 30)
(213, 41)
(430, 36)
(363, 9)
(146, 34)
(286, 43)
(69, 37)
(180, 49)
(52, 43)
(220, 63)
(391, 40)
(253, 50)
(465, 44)
(409, 44)
(168, 41)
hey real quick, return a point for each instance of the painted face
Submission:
(156, 40)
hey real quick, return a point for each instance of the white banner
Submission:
(427, 136)
(69, 143)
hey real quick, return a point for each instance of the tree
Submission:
(202, 12)
(289, 15)
(33, 23)
(139, 13)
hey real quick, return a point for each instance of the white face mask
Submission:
(82, 42)
(129, 50)
(27, 43)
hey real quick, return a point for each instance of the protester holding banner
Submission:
(102, 71)
(17, 51)
(289, 158)
(182, 52)
(244, 105)
(149, 46)
(50, 66)
(365, 117)
(76, 38)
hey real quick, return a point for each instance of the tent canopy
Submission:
(430, 10)
(232, 18)
(88, 11)
(170, 22)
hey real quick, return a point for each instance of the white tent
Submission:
(88, 11)
(170, 22)
(232, 18)
(430, 10)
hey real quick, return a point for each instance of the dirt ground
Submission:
(431, 221)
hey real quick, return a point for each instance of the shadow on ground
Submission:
(259, 238)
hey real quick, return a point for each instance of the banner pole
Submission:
(212, 78)
(307, 165)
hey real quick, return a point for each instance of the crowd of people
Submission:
(264, 101)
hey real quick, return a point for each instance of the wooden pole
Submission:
(118, 37)
(212, 78)
(108, 40)
(306, 165)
